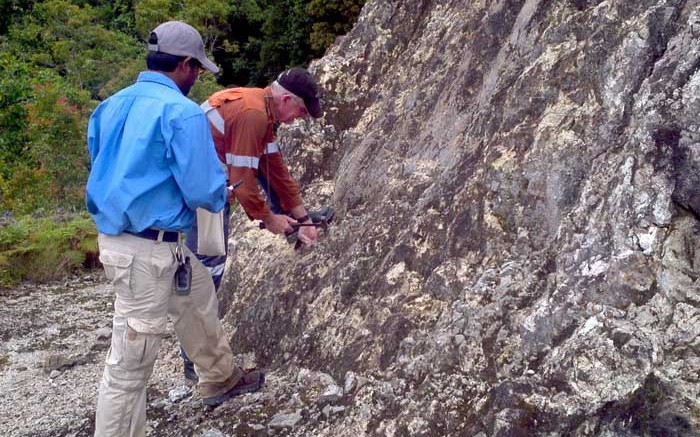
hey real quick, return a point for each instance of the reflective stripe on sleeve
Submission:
(272, 147)
(242, 161)
(214, 116)
(216, 270)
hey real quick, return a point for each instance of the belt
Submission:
(153, 234)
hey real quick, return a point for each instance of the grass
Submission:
(44, 249)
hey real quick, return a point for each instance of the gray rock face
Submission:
(516, 249)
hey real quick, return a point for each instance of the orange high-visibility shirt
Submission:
(244, 136)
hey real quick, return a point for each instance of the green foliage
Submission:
(239, 52)
(270, 36)
(330, 19)
(117, 15)
(28, 190)
(45, 249)
(11, 11)
(62, 36)
(204, 87)
(208, 17)
(87, 41)
(15, 92)
(150, 13)
(124, 74)
(60, 113)
(42, 142)
(285, 40)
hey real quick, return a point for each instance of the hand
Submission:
(308, 235)
(278, 223)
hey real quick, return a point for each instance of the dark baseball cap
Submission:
(301, 83)
(180, 39)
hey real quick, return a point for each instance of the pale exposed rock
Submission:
(350, 382)
(330, 395)
(179, 393)
(284, 420)
(294, 401)
(103, 333)
(54, 361)
(325, 379)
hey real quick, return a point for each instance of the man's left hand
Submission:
(308, 235)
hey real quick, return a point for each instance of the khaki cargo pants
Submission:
(142, 273)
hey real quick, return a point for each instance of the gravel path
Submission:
(53, 340)
(50, 357)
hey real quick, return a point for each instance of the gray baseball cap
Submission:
(180, 39)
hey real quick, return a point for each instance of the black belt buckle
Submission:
(152, 234)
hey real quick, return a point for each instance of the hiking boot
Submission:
(252, 380)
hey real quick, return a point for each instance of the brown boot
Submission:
(242, 381)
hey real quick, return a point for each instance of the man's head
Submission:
(177, 48)
(296, 93)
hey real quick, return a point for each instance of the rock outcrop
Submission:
(516, 246)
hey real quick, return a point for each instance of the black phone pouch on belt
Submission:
(183, 274)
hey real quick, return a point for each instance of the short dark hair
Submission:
(195, 63)
(158, 61)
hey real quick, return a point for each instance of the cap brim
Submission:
(206, 63)
(314, 108)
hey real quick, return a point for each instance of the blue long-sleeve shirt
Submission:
(153, 159)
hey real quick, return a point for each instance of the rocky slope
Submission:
(516, 249)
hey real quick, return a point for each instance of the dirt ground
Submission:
(53, 342)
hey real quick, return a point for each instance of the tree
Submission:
(270, 36)
(68, 39)
(56, 130)
(15, 92)
(117, 15)
(42, 139)
(239, 52)
(208, 17)
(330, 19)
(285, 40)
(273, 35)
(11, 11)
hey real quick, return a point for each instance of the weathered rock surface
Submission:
(516, 245)
(515, 251)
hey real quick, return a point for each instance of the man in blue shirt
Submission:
(153, 163)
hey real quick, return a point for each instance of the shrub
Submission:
(45, 249)
(43, 158)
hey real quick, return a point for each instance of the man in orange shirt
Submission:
(243, 123)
